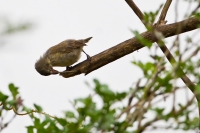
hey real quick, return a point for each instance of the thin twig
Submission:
(172, 60)
(164, 48)
(32, 111)
(195, 52)
(136, 10)
(134, 92)
(194, 11)
(176, 10)
(164, 12)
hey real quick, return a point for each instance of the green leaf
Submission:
(120, 96)
(151, 16)
(14, 90)
(11, 28)
(197, 15)
(142, 40)
(104, 92)
(69, 114)
(62, 121)
(38, 108)
(159, 110)
(107, 120)
(30, 129)
(3, 97)
(197, 89)
(45, 122)
(36, 122)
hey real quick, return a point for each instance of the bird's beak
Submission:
(54, 72)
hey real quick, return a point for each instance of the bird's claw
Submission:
(88, 57)
(68, 68)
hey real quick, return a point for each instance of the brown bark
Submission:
(130, 46)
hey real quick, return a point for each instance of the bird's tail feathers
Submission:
(87, 39)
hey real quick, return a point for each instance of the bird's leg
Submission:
(88, 57)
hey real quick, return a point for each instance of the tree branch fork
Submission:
(133, 44)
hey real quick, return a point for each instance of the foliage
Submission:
(8, 27)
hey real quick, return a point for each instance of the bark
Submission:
(129, 46)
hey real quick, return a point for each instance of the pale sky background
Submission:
(107, 21)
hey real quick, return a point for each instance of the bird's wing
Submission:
(66, 46)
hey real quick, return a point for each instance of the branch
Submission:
(168, 54)
(164, 48)
(164, 12)
(136, 10)
(129, 46)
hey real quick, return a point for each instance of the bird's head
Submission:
(44, 67)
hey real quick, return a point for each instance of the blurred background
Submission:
(28, 28)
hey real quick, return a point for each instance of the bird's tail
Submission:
(86, 40)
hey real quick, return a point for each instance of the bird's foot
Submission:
(68, 68)
(88, 57)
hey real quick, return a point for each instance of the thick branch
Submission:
(130, 46)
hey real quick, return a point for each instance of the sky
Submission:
(108, 22)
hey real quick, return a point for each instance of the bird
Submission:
(63, 54)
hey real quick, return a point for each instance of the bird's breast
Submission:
(65, 59)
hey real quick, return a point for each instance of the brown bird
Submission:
(63, 54)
